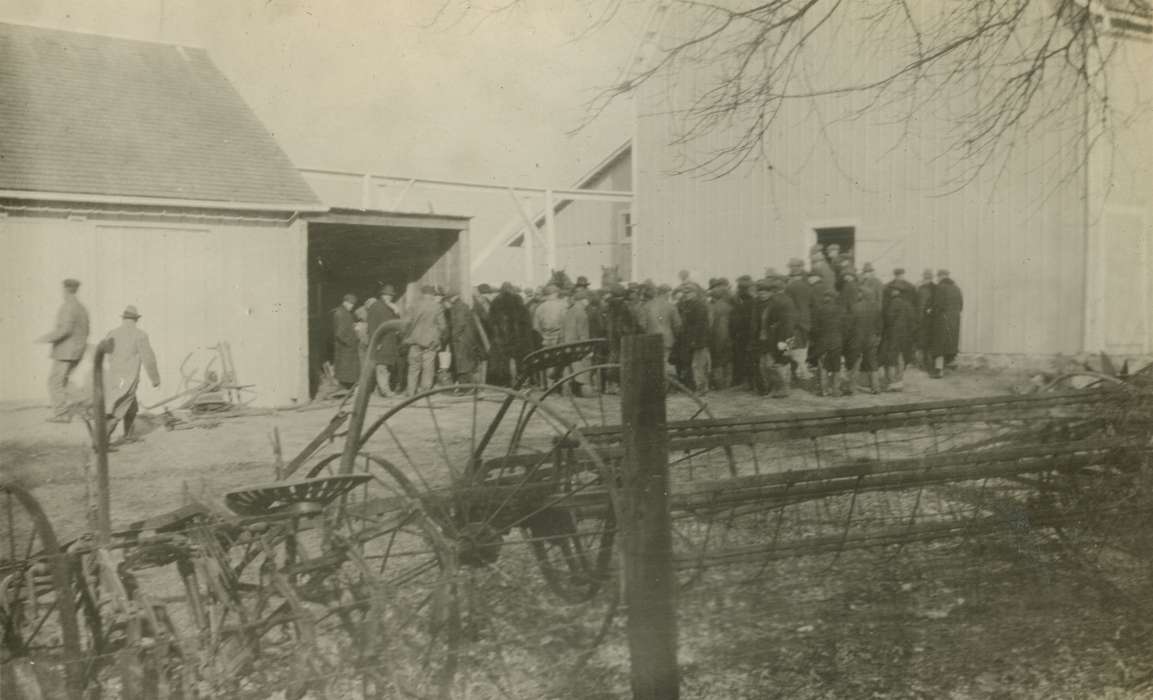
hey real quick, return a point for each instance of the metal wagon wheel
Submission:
(38, 621)
(599, 419)
(463, 497)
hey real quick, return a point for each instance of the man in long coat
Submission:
(511, 337)
(386, 354)
(898, 336)
(696, 336)
(130, 351)
(870, 284)
(744, 366)
(774, 327)
(575, 327)
(801, 292)
(465, 340)
(345, 343)
(946, 335)
(924, 308)
(828, 339)
(862, 338)
(720, 334)
(69, 340)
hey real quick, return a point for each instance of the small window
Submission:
(844, 237)
(626, 225)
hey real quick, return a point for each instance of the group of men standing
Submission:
(130, 351)
(824, 323)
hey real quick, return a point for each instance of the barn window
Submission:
(843, 236)
(626, 224)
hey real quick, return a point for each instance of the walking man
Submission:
(69, 340)
(130, 351)
(946, 335)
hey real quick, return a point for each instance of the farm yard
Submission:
(815, 557)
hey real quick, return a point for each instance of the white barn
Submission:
(138, 169)
(1052, 258)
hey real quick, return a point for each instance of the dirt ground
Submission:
(961, 620)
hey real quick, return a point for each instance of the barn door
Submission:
(1126, 282)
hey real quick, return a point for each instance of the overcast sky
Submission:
(370, 85)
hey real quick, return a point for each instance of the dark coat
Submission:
(946, 318)
(387, 350)
(464, 339)
(695, 327)
(619, 322)
(828, 332)
(848, 293)
(898, 332)
(345, 346)
(775, 322)
(873, 289)
(511, 324)
(801, 292)
(720, 330)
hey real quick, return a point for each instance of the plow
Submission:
(464, 542)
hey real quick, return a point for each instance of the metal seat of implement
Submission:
(555, 357)
(303, 497)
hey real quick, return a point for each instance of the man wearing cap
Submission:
(898, 336)
(386, 353)
(801, 292)
(720, 333)
(466, 340)
(424, 335)
(828, 339)
(775, 324)
(130, 351)
(870, 284)
(740, 329)
(659, 315)
(946, 326)
(924, 310)
(345, 343)
(695, 337)
(69, 340)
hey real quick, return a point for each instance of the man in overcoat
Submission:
(386, 354)
(69, 340)
(801, 292)
(465, 341)
(946, 335)
(345, 343)
(720, 333)
(131, 350)
(828, 339)
(696, 335)
(740, 329)
(774, 333)
(511, 336)
(898, 336)
(924, 310)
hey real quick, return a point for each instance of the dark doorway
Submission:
(843, 236)
(359, 258)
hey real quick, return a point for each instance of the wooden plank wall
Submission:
(195, 284)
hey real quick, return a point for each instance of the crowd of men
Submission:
(824, 325)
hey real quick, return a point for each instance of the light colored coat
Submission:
(131, 350)
(70, 336)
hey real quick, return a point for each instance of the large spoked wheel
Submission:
(41, 643)
(575, 397)
(488, 528)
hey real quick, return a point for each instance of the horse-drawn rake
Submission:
(462, 543)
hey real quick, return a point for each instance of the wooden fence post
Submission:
(649, 585)
(100, 443)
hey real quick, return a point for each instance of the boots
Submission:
(850, 382)
(874, 382)
(938, 365)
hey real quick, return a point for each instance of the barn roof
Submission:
(88, 116)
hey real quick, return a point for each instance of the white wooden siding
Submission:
(195, 285)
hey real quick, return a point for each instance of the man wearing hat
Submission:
(345, 343)
(740, 328)
(720, 333)
(69, 340)
(386, 353)
(945, 337)
(801, 292)
(130, 351)
(870, 284)
(582, 282)
(426, 328)
(924, 308)
(773, 326)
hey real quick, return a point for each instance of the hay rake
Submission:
(463, 541)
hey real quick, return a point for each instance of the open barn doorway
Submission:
(357, 252)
